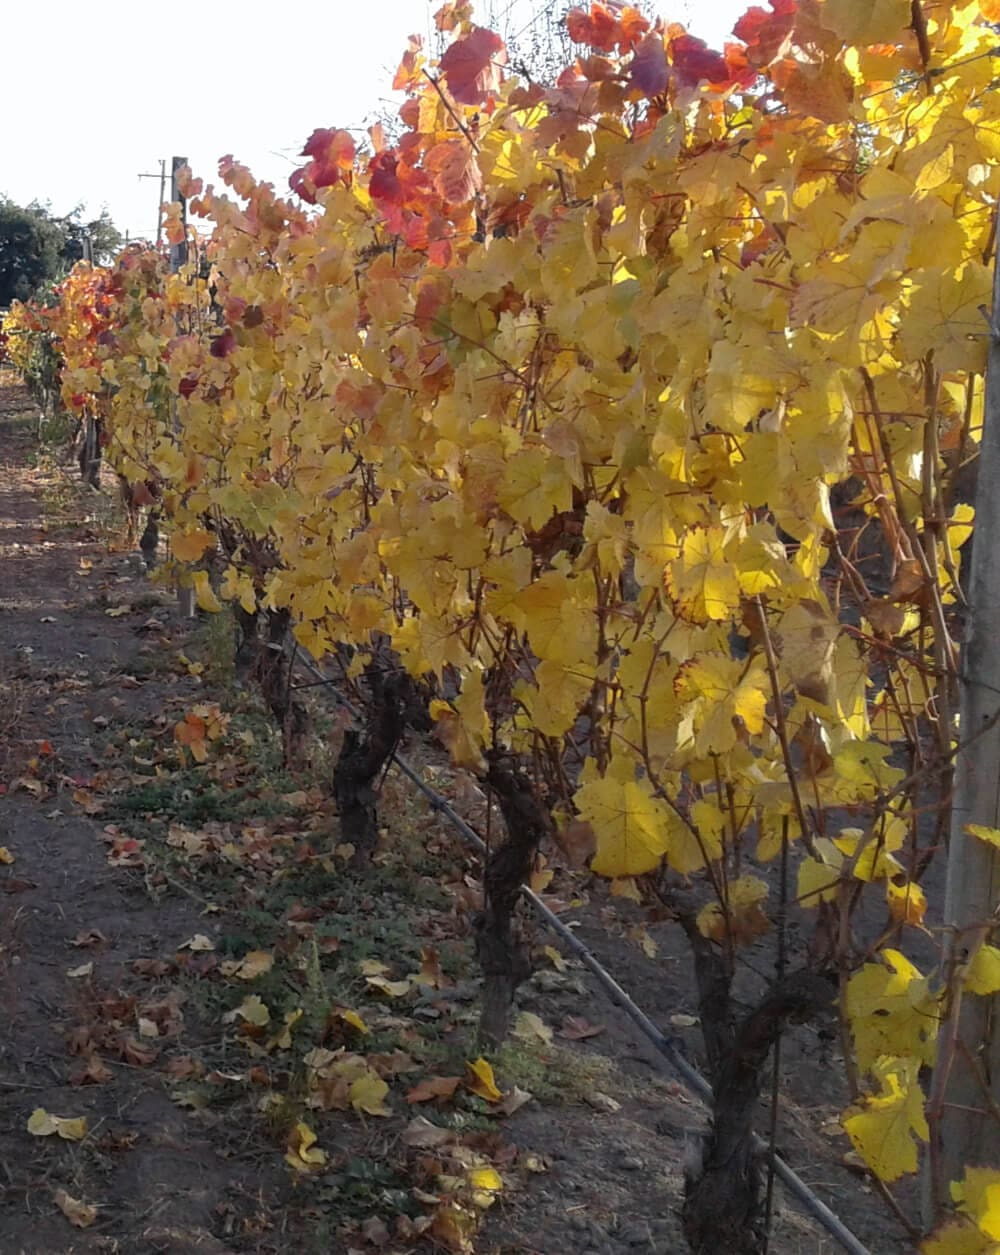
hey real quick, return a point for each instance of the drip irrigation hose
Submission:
(668, 1045)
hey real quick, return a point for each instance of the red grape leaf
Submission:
(471, 66)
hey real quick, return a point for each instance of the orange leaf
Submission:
(435, 1087)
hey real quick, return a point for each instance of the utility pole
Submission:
(162, 176)
(178, 258)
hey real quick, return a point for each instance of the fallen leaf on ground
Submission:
(430, 970)
(479, 1080)
(513, 1101)
(555, 958)
(70, 1128)
(420, 1134)
(353, 1019)
(434, 1087)
(5, 855)
(77, 973)
(576, 1028)
(531, 1027)
(139, 1054)
(30, 784)
(198, 942)
(303, 1154)
(253, 964)
(602, 1102)
(96, 1072)
(376, 1231)
(251, 1010)
(394, 988)
(367, 1094)
(486, 1178)
(76, 1211)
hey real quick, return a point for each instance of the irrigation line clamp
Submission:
(668, 1046)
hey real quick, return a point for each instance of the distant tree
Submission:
(105, 240)
(31, 251)
(37, 248)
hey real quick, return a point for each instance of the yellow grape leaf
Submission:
(943, 315)
(884, 1125)
(722, 699)
(367, 1094)
(303, 1154)
(990, 835)
(978, 1195)
(982, 976)
(907, 902)
(958, 1237)
(204, 594)
(553, 702)
(818, 878)
(691, 849)
(238, 586)
(253, 1011)
(462, 724)
(189, 546)
(892, 1011)
(746, 919)
(740, 384)
(479, 1080)
(70, 1128)
(283, 1038)
(76, 1211)
(354, 1020)
(535, 487)
(630, 824)
(393, 988)
(485, 1179)
(253, 964)
(703, 581)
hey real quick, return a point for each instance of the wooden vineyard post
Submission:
(178, 258)
(965, 1092)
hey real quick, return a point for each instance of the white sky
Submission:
(94, 95)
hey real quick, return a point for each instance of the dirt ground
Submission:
(136, 887)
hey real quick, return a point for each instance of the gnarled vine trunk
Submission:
(363, 756)
(500, 947)
(722, 1205)
(273, 670)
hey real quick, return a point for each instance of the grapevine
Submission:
(628, 415)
